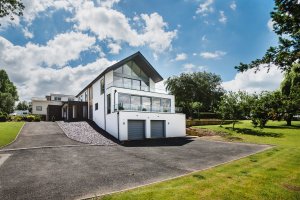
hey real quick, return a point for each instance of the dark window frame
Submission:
(102, 86)
(108, 100)
(96, 106)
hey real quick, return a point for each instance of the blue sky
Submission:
(60, 46)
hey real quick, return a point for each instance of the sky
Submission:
(60, 46)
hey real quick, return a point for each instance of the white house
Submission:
(50, 105)
(123, 101)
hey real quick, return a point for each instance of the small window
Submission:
(39, 108)
(57, 98)
(96, 106)
(102, 86)
(108, 104)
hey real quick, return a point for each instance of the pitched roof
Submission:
(139, 59)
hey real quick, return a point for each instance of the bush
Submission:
(17, 118)
(37, 118)
(30, 118)
(3, 117)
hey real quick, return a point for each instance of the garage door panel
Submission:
(157, 129)
(136, 129)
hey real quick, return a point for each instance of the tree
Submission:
(11, 8)
(290, 89)
(286, 19)
(22, 105)
(234, 106)
(202, 87)
(8, 93)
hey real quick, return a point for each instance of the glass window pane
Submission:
(135, 103)
(118, 81)
(166, 105)
(136, 84)
(155, 104)
(126, 70)
(144, 86)
(136, 72)
(102, 88)
(127, 82)
(146, 104)
(124, 101)
(118, 70)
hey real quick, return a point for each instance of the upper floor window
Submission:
(108, 104)
(102, 86)
(90, 93)
(131, 76)
(86, 95)
(57, 98)
(96, 106)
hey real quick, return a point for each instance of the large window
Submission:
(143, 103)
(131, 76)
(102, 86)
(146, 104)
(135, 102)
(124, 101)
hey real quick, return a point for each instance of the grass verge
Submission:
(9, 131)
(273, 174)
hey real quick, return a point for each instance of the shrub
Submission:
(30, 118)
(17, 118)
(37, 118)
(3, 117)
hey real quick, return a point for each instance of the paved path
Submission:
(39, 134)
(84, 171)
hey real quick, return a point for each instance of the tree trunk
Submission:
(233, 123)
(289, 120)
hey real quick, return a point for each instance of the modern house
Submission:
(123, 101)
(56, 106)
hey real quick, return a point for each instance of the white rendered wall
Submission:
(112, 124)
(174, 126)
(98, 115)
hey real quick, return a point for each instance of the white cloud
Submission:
(109, 24)
(189, 68)
(114, 48)
(31, 67)
(212, 55)
(205, 7)
(233, 5)
(270, 25)
(194, 54)
(27, 33)
(181, 56)
(255, 82)
(223, 18)
(108, 3)
(203, 38)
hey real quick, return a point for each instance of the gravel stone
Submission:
(83, 132)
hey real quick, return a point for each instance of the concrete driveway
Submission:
(84, 171)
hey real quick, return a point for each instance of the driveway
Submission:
(85, 171)
(40, 134)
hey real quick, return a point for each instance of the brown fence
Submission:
(202, 122)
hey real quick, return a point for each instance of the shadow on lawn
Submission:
(248, 131)
(283, 127)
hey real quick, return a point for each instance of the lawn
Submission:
(272, 174)
(9, 131)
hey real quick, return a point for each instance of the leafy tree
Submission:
(290, 89)
(11, 8)
(286, 19)
(235, 106)
(201, 87)
(22, 105)
(8, 93)
(267, 106)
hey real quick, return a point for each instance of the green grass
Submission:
(272, 174)
(9, 131)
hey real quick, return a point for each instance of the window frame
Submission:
(102, 86)
(36, 108)
(96, 106)
(108, 103)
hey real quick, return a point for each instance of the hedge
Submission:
(203, 122)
